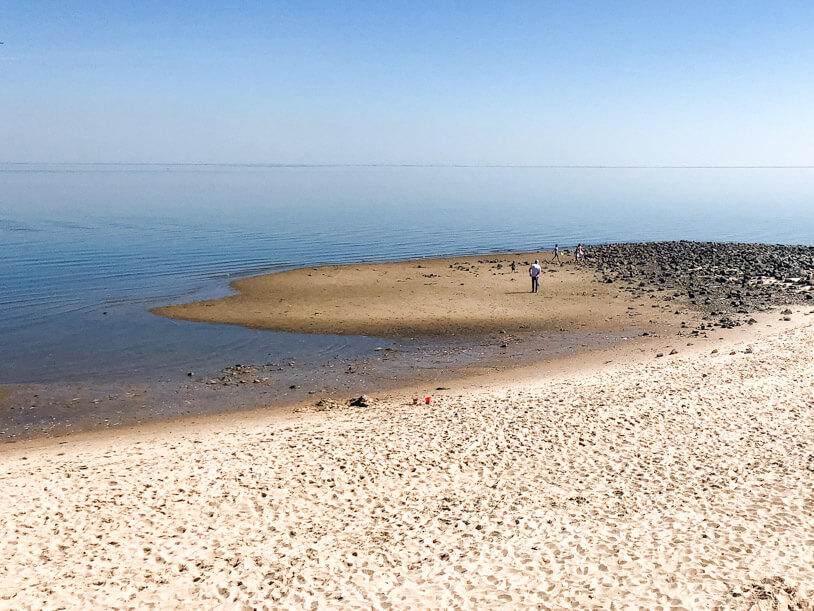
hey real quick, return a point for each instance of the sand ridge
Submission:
(675, 482)
(472, 295)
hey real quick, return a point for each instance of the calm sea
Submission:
(86, 250)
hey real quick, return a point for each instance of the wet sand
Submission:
(625, 478)
(53, 410)
(469, 296)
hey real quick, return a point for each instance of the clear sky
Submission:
(567, 82)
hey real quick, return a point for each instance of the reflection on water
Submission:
(85, 251)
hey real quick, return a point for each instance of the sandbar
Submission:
(473, 295)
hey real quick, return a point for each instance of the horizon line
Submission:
(417, 165)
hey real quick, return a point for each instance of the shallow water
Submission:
(86, 250)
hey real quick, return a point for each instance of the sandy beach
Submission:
(407, 306)
(647, 482)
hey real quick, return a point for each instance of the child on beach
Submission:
(556, 256)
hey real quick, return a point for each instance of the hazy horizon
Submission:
(414, 165)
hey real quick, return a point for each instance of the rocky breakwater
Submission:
(726, 281)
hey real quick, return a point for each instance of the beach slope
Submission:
(681, 482)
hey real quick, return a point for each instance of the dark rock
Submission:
(363, 401)
(754, 276)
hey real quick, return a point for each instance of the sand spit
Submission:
(682, 482)
(480, 294)
(473, 295)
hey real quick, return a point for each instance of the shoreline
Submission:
(629, 290)
(59, 411)
(653, 347)
(572, 313)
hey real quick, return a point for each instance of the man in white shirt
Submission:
(534, 272)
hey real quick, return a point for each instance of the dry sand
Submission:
(647, 483)
(463, 295)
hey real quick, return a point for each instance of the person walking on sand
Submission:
(556, 256)
(578, 254)
(534, 272)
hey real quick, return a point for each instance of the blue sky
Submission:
(618, 83)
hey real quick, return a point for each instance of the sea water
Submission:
(87, 250)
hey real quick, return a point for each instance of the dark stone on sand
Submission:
(732, 278)
(363, 401)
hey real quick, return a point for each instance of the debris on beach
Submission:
(326, 404)
(238, 374)
(330, 404)
(362, 401)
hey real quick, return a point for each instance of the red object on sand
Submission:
(415, 400)
(427, 400)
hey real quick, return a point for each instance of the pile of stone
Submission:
(722, 279)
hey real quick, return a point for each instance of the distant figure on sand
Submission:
(514, 267)
(534, 272)
(556, 256)
(579, 253)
